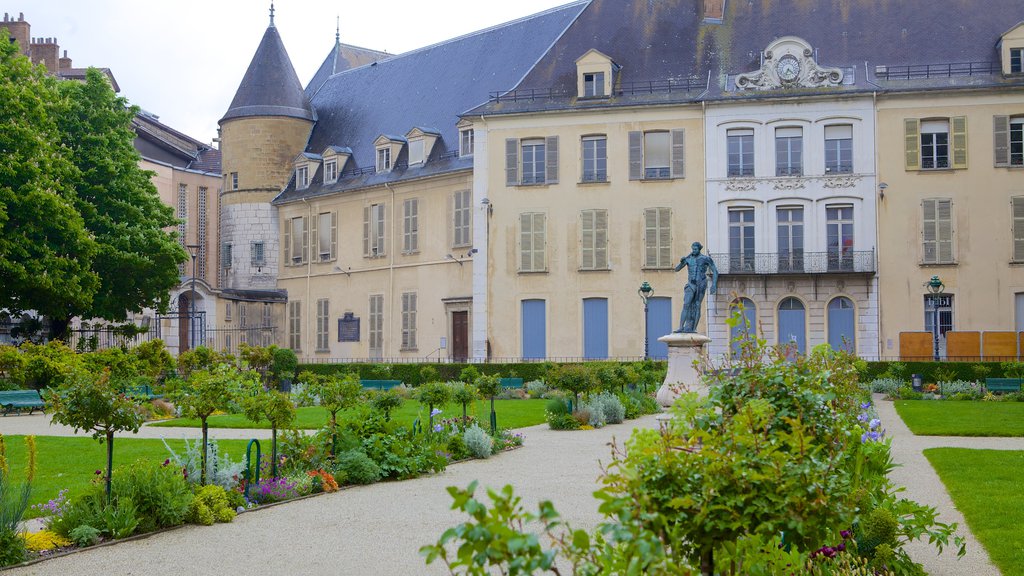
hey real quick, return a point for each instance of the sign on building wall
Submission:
(348, 328)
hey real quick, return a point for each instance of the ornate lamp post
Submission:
(935, 287)
(645, 293)
(193, 251)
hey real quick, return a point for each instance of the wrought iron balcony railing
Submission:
(831, 262)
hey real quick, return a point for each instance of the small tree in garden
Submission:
(489, 386)
(87, 402)
(385, 402)
(154, 358)
(434, 394)
(283, 365)
(201, 358)
(429, 374)
(207, 391)
(275, 407)
(469, 374)
(575, 378)
(335, 393)
(463, 393)
(259, 358)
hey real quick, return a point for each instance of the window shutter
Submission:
(412, 320)
(636, 155)
(651, 237)
(587, 239)
(912, 143)
(1018, 229)
(314, 238)
(601, 239)
(526, 242)
(511, 162)
(539, 242)
(958, 126)
(366, 231)
(929, 231)
(405, 321)
(379, 232)
(414, 224)
(944, 229)
(334, 235)
(599, 84)
(551, 160)
(664, 237)
(407, 226)
(287, 241)
(305, 238)
(1001, 137)
(678, 153)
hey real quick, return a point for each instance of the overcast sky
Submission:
(183, 59)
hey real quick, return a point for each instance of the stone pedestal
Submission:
(683, 350)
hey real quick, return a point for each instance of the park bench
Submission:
(511, 382)
(380, 384)
(1003, 384)
(11, 400)
(141, 391)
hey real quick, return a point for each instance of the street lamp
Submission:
(935, 287)
(645, 293)
(193, 251)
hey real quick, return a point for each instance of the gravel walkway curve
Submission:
(40, 425)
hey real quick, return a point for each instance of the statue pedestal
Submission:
(683, 349)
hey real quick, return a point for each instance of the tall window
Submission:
(201, 233)
(1017, 141)
(225, 256)
(658, 238)
(295, 325)
(416, 151)
(532, 242)
(1018, 228)
(243, 315)
(373, 230)
(299, 240)
(466, 142)
(593, 84)
(1016, 60)
(266, 315)
(330, 171)
(383, 159)
(257, 256)
(461, 218)
(326, 232)
(839, 232)
(322, 325)
(411, 226)
(227, 310)
(533, 161)
(234, 180)
(595, 159)
(376, 330)
(182, 220)
(594, 240)
(842, 324)
(793, 326)
(408, 321)
(935, 144)
(741, 239)
(791, 239)
(301, 177)
(657, 153)
(740, 143)
(789, 145)
(839, 149)
(937, 232)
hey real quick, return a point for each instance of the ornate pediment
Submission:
(789, 63)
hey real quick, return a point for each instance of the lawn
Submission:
(72, 463)
(962, 418)
(986, 487)
(511, 414)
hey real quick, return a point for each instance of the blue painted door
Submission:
(659, 323)
(534, 329)
(792, 324)
(595, 328)
(747, 325)
(842, 325)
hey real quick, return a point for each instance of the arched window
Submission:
(747, 325)
(793, 324)
(842, 327)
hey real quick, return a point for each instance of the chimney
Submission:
(65, 62)
(18, 30)
(46, 52)
(714, 10)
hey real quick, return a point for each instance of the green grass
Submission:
(511, 414)
(986, 487)
(72, 463)
(962, 418)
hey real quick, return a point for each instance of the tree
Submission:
(434, 394)
(94, 404)
(335, 393)
(489, 386)
(575, 378)
(278, 409)
(463, 393)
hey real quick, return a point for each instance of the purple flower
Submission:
(98, 472)
(865, 405)
(166, 462)
(875, 423)
(435, 412)
(438, 427)
(841, 547)
(863, 417)
(845, 534)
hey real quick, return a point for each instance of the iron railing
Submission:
(926, 71)
(447, 360)
(831, 262)
(623, 89)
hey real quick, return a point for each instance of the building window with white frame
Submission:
(790, 228)
(593, 85)
(295, 326)
(323, 325)
(411, 226)
(533, 155)
(789, 151)
(741, 239)
(416, 151)
(466, 143)
(658, 238)
(373, 230)
(330, 171)
(839, 149)
(301, 177)
(839, 236)
(740, 151)
(234, 180)
(595, 158)
(934, 144)
(326, 233)
(1016, 60)
(408, 321)
(657, 155)
(383, 159)
(257, 254)
(594, 240)
(298, 240)
(937, 233)
(532, 242)
(461, 219)
(1017, 141)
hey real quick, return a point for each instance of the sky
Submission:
(182, 60)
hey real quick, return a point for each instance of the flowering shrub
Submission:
(327, 481)
(44, 540)
(210, 505)
(275, 490)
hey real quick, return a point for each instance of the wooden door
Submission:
(460, 335)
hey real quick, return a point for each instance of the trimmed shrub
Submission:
(536, 388)
(210, 505)
(609, 406)
(478, 442)
(358, 467)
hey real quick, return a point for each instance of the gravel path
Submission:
(40, 425)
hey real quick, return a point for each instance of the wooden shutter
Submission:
(1001, 140)
(334, 235)
(511, 162)
(366, 231)
(636, 155)
(928, 231)
(379, 236)
(551, 160)
(944, 231)
(664, 237)
(958, 128)
(287, 241)
(650, 237)
(678, 153)
(415, 225)
(588, 224)
(599, 84)
(305, 239)
(1018, 229)
(912, 143)
(314, 238)
(526, 242)
(601, 239)
(539, 241)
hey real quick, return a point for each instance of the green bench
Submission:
(11, 400)
(380, 384)
(143, 391)
(1003, 384)
(511, 382)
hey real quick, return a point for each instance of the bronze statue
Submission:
(693, 293)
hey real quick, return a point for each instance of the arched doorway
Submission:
(842, 324)
(793, 325)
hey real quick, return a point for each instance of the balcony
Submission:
(834, 262)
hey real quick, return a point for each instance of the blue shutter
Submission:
(842, 325)
(534, 329)
(792, 324)
(595, 328)
(659, 323)
(747, 326)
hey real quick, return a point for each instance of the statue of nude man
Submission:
(693, 293)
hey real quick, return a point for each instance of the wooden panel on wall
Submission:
(964, 346)
(915, 346)
(999, 345)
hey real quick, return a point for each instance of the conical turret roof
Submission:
(270, 86)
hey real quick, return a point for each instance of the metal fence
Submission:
(796, 262)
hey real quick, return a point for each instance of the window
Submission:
(410, 226)
(740, 143)
(330, 171)
(326, 233)
(937, 231)
(302, 177)
(790, 239)
(322, 325)
(266, 316)
(1018, 228)
(595, 328)
(532, 242)
(533, 319)
(295, 326)
(234, 180)
(257, 256)
(839, 149)
(408, 321)
(741, 239)
(938, 318)
(182, 220)
(935, 144)
(792, 326)
(461, 219)
(593, 84)
(1009, 140)
(595, 159)
(227, 310)
(839, 233)
(466, 142)
(243, 315)
(533, 161)
(201, 234)
(297, 239)
(842, 322)
(416, 148)
(373, 230)
(658, 238)
(657, 155)
(1017, 141)
(1016, 60)
(225, 256)
(376, 325)
(594, 240)
(383, 159)
(789, 144)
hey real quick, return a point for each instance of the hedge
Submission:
(963, 370)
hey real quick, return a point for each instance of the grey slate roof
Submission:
(270, 86)
(342, 57)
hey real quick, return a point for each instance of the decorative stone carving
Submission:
(789, 63)
(791, 286)
(840, 181)
(841, 285)
(741, 185)
(790, 184)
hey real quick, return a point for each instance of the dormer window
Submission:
(594, 75)
(1011, 50)
(302, 177)
(306, 164)
(1016, 60)
(416, 152)
(335, 158)
(383, 159)
(421, 142)
(593, 84)
(466, 142)
(330, 171)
